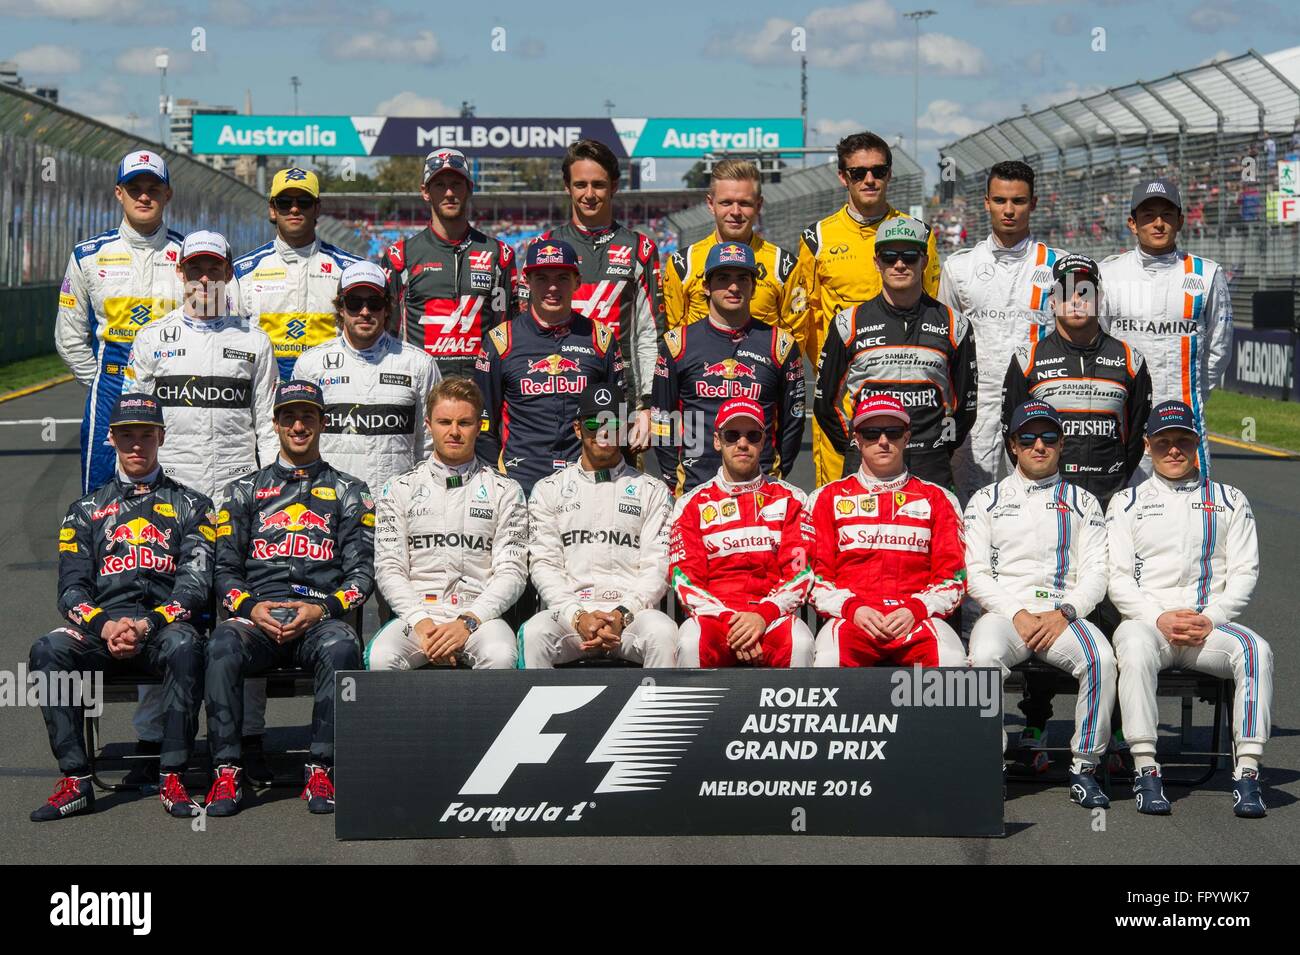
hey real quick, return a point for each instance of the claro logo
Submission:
(644, 742)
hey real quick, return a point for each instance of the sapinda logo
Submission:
(644, 742)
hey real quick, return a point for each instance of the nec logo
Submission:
(643, 744)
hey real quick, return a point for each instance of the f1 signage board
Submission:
(595, 752)
(482, 137)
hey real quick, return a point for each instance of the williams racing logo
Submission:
(642, 747)
(556, 382)
(140, 536)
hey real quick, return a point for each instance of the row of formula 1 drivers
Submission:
(883, 555)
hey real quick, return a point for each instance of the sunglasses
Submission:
(1049, 438)
(355, 303)
(858, 173)
(732, 435)
(595, 424)
(285, 203)
(894, 432)
(909, 257)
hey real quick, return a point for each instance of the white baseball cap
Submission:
(363, 273)
(140, 162)
(205, 242)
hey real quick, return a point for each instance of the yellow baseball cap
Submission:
(295, 178)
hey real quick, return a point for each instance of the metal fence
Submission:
(800, 199)
(57, 171)
(1217, 130)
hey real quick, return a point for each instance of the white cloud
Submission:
(407, 103)
(141, 61)
(1219, 57)
(948, 118)
(862, 37)
(422, 47)
(1212, 19)
(827, 132)
(48, 59)
(104, 102)
(70, 9)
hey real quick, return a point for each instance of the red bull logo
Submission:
(730, 368)
(549, 255)
(555, 382)
(137, 558)
(293, 545)
(295, 517)
(137, 532)
(731, 253)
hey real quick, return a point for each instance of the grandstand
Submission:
(1217, 129)
(800, 199)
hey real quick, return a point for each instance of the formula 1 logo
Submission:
(643, 744)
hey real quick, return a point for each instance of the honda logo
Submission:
(171, 334)
(334, 360)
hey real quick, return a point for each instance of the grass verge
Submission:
(1275, 423)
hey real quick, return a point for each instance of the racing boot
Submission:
(175, 797)
(73, 796)
(319, 791)
(1086, 791)
(1247, 800)
(227, 791)
(1149, 793)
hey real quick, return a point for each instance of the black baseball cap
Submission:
(1159, 188)
(299, 392)
(1171, 414)
(136, 409)
(1080, 266)
(601, 399)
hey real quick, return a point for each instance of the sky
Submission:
(980, 60)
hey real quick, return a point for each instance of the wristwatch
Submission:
(471, 622)
(1068, 612)
(627, 615)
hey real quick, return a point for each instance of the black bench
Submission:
(1187, 685)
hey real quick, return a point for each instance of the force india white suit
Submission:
(1034, 545)
(374, 405)
(1187, 545)
(448, 541)
(1176, 311)
(1004, 292)
(598, 540)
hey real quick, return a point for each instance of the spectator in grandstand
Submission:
(1184, 561)
(735, 198)
(1001, 286)
(295, 555)
(598, 549)
(1036, 563)
(116, 282)
(1170, 305)
(726, 354)
(533, 368)
(904, 343)
(449, 283)
(451, 548)
(887, 554)
(836, 267)
(135, 565)
(619, 282)
(213, 372)
(288, 286)
(739, 563)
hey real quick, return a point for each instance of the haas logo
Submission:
(620, 255)
(644, 742)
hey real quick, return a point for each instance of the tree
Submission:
(697, 177)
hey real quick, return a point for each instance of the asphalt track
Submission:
(39, 478)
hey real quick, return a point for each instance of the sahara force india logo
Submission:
(643, 744)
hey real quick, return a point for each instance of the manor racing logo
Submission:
(642, 745)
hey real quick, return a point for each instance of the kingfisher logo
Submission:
(643, 745)
(295, 328)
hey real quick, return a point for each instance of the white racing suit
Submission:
(1005, 294)
(598, 540)
(1174, 309)
(1034, 545)
(449, 540)
(1187, 545)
